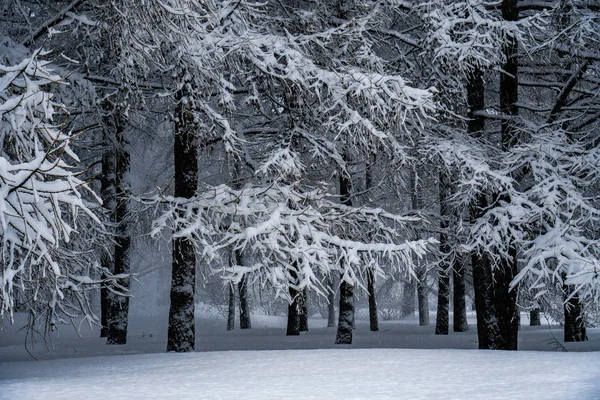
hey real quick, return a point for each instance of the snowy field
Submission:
(403, 360)
(310, 374)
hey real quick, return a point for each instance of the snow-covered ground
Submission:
(402, 360)
(309, 374)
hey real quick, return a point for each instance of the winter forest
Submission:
(346, 167)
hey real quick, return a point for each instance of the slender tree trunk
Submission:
(119, 305)
(534, 317)
(108, 193)
(304, 312)
(422, 285)
(574, 330)
(482, 270)
(443, 310)
(460, 323)
(373, 317)
(331, 303)
(373, 320)
(231, 308)
(293, 321)
(346, 316)
(422, 295)
(409, 296)
(346, 312)
(182, 329)
(245, 318)
(506, 299)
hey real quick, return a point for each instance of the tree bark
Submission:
(346, 311)
(460, 323)
(482, 270)
(422, 295)
(304, 312)
(346, 315)
(373, 320)
(534, 317)
(231, 308)
(331, 303)
(108, 193)
(422, 286)
(119, 305)
(373, 317)
(245, 318)
(182, 330)
(574, 330)
(442, 320)
(293, 321)
(409, 296)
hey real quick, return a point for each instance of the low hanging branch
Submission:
(287, 231)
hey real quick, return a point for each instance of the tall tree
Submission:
(445, 265)
(182, 328)
(118, 306)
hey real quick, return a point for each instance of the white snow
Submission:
(306, 374)
(402, 360)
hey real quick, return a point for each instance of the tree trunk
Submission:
(506, 299)
(487, 328)
(373, 320)
(460, 323)
(442, 320)
(107, 190)
(119, 305)
(422, 295)
(574, 330)
(373, 317)
(182, 329)
(245, 322)
(534, 317)
(346, 312)
(231, 308)
(331, 303)
(293, 322)
(304, 312)
(422, 286)
(408, 305)
(346, 316)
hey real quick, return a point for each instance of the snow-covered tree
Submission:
(46, 269)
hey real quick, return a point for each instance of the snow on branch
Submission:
(42, 200)
(293, 237)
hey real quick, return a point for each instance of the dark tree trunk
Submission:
(574, 329)
(304, 312)
(108, 193)
(409, 299)
(231, 308)
(442, 320)
(346, 312)
(534, 317)
(373, 320)
(487, 328)
(422, 295)
(346, 316)
(460, 323)
(293, 321)
(506, 299)
(119, 305)
(245, 322)
(331, 303)
(182, 329)
(422, 285)
(373, 317)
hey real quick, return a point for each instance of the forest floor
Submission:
(402, 360)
